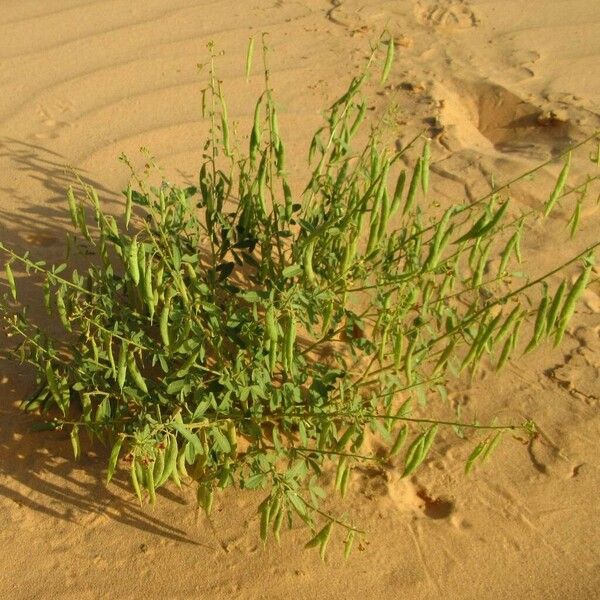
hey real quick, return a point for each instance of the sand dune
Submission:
(500, 86)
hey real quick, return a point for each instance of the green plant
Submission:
(236, 333)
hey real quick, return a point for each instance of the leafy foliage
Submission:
(236, 333)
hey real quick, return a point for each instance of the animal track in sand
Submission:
(580, 371)
(446, 14)
(406, 495)
(485, 113)
(52, 126)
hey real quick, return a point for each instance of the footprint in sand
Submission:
(580, 371)
(405, 494)
(446, 14)
(52, 127)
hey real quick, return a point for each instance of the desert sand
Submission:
(501, 85)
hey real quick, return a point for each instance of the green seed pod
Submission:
(134, 480)
(277, 523)
(232, 436)
(373, 232)
(170, 462)
(570, 302)
(159, 467)
(398, 347)
(272, 355)
(399, 441)
(444, 357)
(73, 207)
(307, 263)
(414, 455)
(362, 111)
(150, 484)
(53, 385)
(389, 59)
(62, 309)
(132, 262)
(265, 517)
(122, 364)
(128, 206)
(510, 320)
(135, 374)
(425, 166)
(554, 307)
(271, 328)
(342, 467)
(540, 322)
(107, 339)
(11, 281)
(558, 188)
(412, 188)
(280, 158)
(398, 190)
(148, 289)
(345, 481)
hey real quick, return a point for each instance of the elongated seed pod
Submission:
(383, 345)
(307, 263)
(134, 480)
(150, 484)
(425, 166)
(62, 309)
(385, 215)
(278, 522)
(158, 467)
(362, 110)
(135, 374)
(445, 356)
(398, 346)
(389, 59)
(262, 178)
(399, 189)
(414, 455)
(73, 207)
(170, 462)
(249, 54)
(128, 206)
(273, 348)
(132, 262)
(486, 335)
(372, 241)
(148, 289)
(107, 339)
(122, 364)
(345, 482)
(574, 220)
(10, 278)
(541, 322)
(412, 188)
(399, 441)
(271, 324)
(280, 155)
(555, 306)
(570, 302)
(558, 188)
(510, 320)
(53, 385)
(408, 360)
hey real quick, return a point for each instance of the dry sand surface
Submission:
(501, 85)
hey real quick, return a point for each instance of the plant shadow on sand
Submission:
(37, 470)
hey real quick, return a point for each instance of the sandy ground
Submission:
(501, 84)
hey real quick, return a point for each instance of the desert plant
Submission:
(237, 333)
